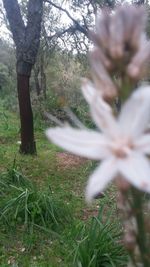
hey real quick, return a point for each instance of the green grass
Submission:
(42, 206)
(98, 243)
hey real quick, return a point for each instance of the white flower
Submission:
(121, 144)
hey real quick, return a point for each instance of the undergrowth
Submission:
(98, 243)
(23, 203)
(42, 209)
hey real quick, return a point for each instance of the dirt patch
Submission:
(88, 213)
(66, 160)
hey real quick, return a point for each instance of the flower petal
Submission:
(101, 78)
(88, 90)
(100, 110)
(138, 64)
(100, 178)
(136, 169)
(104, 119)
(135, 114)
(143, 144)
(92, 94)
(84, 143)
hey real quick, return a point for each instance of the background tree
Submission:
(27, 40)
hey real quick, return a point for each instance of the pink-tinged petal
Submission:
(92, 95)
(136, 169)
(143, 144)
(135, 114)
(101, 78)
(84, 143)
(138, 64)
(100, 110)
(89, 91)
(104, 119)
(100, 178)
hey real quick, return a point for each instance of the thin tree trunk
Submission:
(37, 84)
(26, 116)
(43, 77)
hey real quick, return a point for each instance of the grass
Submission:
(42, 209)
(98, 243)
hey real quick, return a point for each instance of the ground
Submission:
(66, 160)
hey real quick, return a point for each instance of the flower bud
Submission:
(120, 48)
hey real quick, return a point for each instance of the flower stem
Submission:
(141, 234)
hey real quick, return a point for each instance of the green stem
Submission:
(141, 234)
(132, 258)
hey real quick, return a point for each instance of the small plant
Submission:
(24, 204)
(99, 244)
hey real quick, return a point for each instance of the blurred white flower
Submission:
(19, 142)
(120, 45)
(121, 144)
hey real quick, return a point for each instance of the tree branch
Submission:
(15, 20)
(77, 27)
(58, 34)
(33, 28)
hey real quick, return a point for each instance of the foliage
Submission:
(63, 90)
(7, 56)
(7, 77)
(98, 244)
(3, 75)
(64, 74)
(23, 203)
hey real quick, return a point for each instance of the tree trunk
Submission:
(37, 83)
(26, 116)
(43, 75)
(27, 41)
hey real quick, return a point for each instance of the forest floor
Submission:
(27, 243)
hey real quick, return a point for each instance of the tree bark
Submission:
(26, 116)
